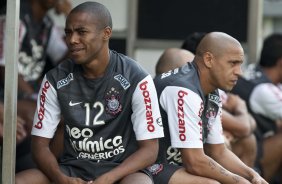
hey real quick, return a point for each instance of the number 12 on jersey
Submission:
(96, 121)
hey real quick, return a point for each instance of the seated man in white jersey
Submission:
(191, 110)
(109, 104)
(238, 125)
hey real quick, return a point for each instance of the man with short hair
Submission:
(109, 104)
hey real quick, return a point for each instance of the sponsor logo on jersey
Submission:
(169, 73)
(155, 168)
(82, 142)
(160, 121)
(166, 74)
(175, 71)
(214, 98)
(147, 102)
(211, 114)
(74, 103)
(41, 111)
(180, 115)
(113, 105)
(65, 81)
(122, 80)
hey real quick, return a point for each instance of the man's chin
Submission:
(227, 88)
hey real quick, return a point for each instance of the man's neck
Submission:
(97, 67)
(272, 74)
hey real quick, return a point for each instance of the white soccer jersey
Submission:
(191, 118)
(266, 99)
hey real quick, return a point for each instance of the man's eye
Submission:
(67, 33)
(234, 63)
(82, 32)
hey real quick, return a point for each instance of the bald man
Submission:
(237, 124)
(193, 149)
(173, 58)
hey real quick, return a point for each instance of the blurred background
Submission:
(144, 28)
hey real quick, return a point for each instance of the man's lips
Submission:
(234, 81)
(75, 50)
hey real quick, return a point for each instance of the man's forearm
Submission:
(231, 162)
(209, 168)
(238, 126)
(47, 162)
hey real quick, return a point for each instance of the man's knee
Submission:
(31, 176)
(183, 177)
(137, 178)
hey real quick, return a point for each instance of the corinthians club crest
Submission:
(113, 105)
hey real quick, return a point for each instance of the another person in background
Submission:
(260, 89)
(110, 108)
(239, 127)
(41, 44)
(192, 41)
(21, 130)
(173, 58)
(25, 113)
(189, 96)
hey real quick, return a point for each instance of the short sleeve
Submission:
(47, 115)
(183, 108)
(146, 118)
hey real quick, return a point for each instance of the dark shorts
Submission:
(89, 173)
(162, 172)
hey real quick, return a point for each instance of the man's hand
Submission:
(257, 179)
(21, 133)
(103, 179)
(234, 103)
(72, 180)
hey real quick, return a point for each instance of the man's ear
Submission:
(208, 59)
(107, 33)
